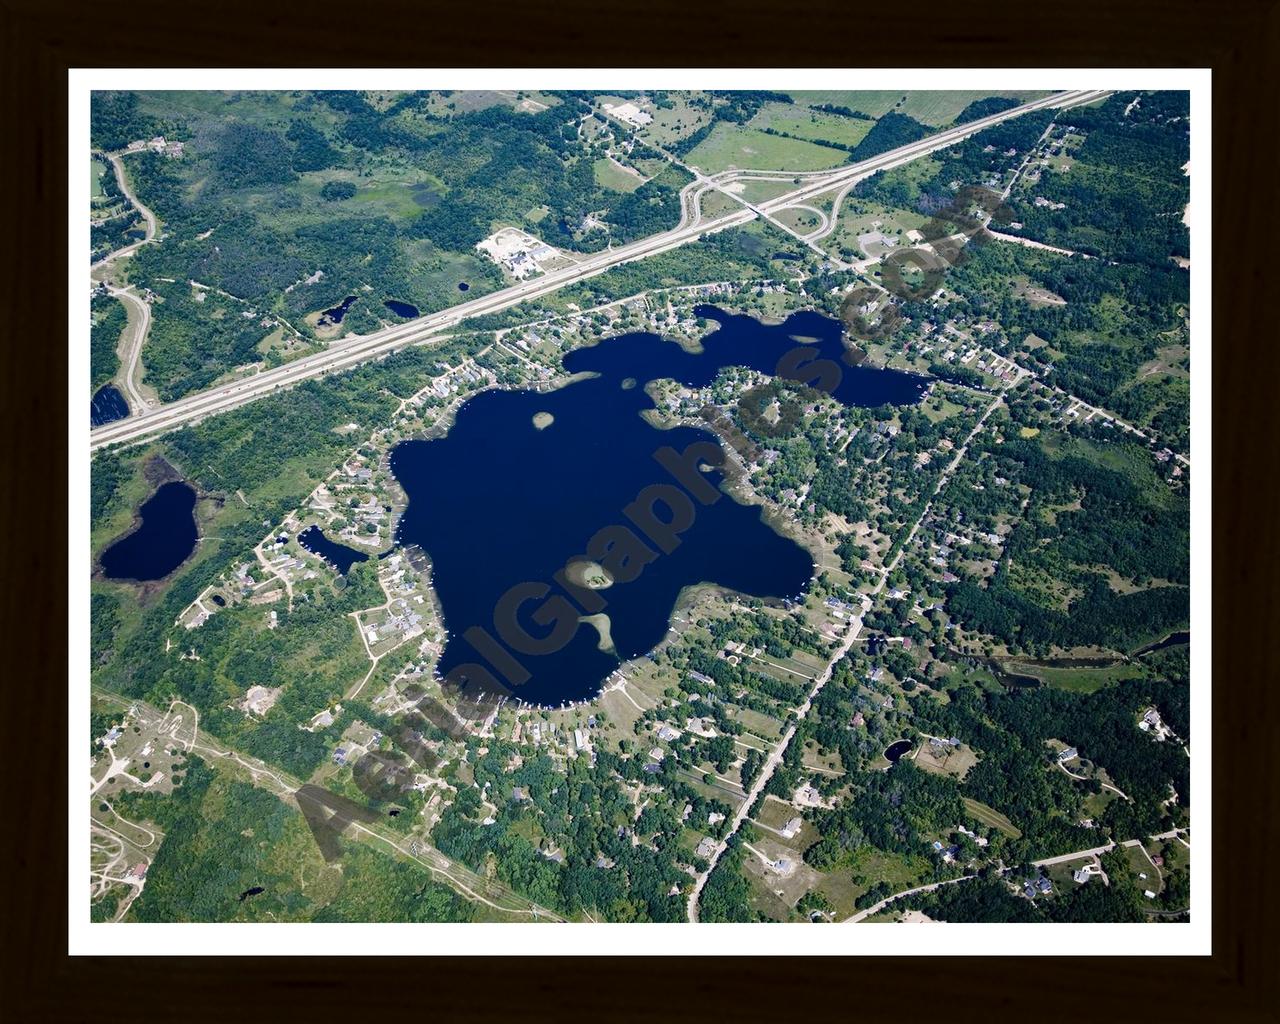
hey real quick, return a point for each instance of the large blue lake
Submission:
(527, 483)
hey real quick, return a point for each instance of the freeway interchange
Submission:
(351, 352)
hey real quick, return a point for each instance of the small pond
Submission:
(338, 555)
(163, 540)
(107, 406)
(336, 313)
(401, 308)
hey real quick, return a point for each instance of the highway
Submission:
(352, 352)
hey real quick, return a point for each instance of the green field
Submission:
(990, 817)
(1077, 680)
(610, 175)
(931, 106)
(673, 122)
(96, 169)
(466, 101)
(747, 149)
(811, 124)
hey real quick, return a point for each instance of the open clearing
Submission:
(747, 149)
(931, 107)
(990, 817)
(96, 169)
(1077, 680)
(811, 124)
(954, 761)
(609, 175)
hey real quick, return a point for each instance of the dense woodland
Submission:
(1126, 190)
(1083, 518)
(108, 321)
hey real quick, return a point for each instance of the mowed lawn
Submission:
(749, 149)
(813, 125)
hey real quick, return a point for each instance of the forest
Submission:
(1113, 323)
(1126, 192)
(1083, 519)
(1010, 729)
(889, 132)
(108, 321)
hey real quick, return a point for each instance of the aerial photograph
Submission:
(688, 506)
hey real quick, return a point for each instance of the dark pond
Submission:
(401, 308)
(107, 406)
(335, 315)
(219, 600)
(463, 286)
(1172, 640)
(338, 555)
(499, 504)
(895, 751)
(251, 892)
(162, 542)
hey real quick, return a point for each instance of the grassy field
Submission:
(96, 169)
(761, 191)
(931, 106)
(811, 124)
(939, 407)
(716, 204)
(468, 100)
(761, 725)
(1139, 865)
(954, 761)
(941, 107)
(672, 123)
(896, 869)
(610, 175)
(799, 220)
(990, 817)
(873, 102)
(1077, 680)
(858, 217)
(745, 148)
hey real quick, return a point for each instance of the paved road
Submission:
(133, 349)
(875, 908)
(774, 759)
(1046, 862)
(345, 354)
(1106, 848)
(148, 217)
(855, 627)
